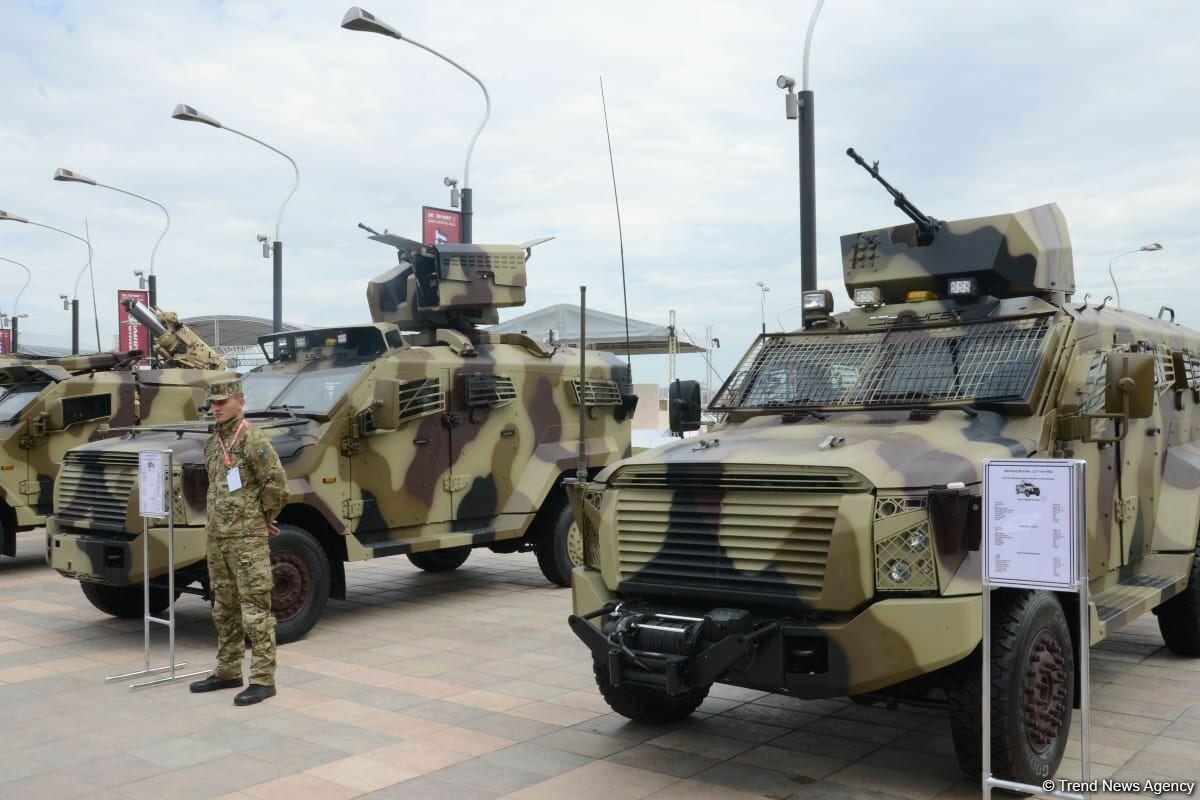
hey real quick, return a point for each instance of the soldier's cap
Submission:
(224, 390)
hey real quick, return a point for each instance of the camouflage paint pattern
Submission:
(487, 426)
(79, 399)
(797, 517)
(240, 570)
(239, 445)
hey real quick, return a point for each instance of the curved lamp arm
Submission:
(295, 169)
(28, 278)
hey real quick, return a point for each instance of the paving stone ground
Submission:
(469, 685)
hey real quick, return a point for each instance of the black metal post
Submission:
(808, 195)
(75, 327)
(277, 283)
(13, 344)
(153, 290)
(467, 213)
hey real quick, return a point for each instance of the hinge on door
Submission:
(454, 483)
(1126, 509)
(30, 487)
(450, 419)
(352, 509)
(350, 446)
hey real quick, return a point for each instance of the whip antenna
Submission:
(620, 235)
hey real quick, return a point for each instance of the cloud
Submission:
(971, 110)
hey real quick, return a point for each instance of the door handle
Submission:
(421, 441)
(508, 432)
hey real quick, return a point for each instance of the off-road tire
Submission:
(301, 572)
(124, 602)
(1179, 617)
(440, 560)
(559, 548)
(644, 704)
(1024, 625)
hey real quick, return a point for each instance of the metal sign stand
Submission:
(156, 498)
(1076, 581)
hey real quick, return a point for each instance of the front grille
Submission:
(94, 488)
(759, 542)
(724, 477)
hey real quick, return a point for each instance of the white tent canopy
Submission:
(604, 331)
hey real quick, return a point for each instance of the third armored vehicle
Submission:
(420, 434)
(824, 540)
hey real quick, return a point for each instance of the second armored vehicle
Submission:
(425, 443)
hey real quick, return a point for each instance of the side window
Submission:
(485, 390)
(420, 398)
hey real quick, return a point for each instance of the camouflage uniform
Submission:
(239, 564)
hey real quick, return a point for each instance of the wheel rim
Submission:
(575, 545)
(1045, 701)
(291, 578)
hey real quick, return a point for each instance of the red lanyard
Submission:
(226, 450)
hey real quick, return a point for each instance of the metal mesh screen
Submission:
(899, 366)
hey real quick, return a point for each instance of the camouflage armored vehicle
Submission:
(420, 434)
(824, 539)
(49, 405)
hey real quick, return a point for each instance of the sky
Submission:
(972, 109)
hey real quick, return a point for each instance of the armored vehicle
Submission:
(824, 539)
(49, 405)
(420, 434)
(1028, 489)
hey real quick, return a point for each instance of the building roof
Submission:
(232, 330)
(605, 331)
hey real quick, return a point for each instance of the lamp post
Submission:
(763, 289)
(68, 176)
(357, 19)
(17, 301)
(1149, 248)
(189, 114)
(800, 107)
(5, 216)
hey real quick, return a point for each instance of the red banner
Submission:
(440, 226)
(5, 341)
(133, 335)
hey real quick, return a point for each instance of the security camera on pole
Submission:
(357, 19)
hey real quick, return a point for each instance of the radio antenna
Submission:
(620, 235)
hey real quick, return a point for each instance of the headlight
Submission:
(904, 560)
(588, 524)
(868, 296)
(899, 571)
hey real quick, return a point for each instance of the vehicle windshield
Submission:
(15, 397)
(313, 392)
(992, 361)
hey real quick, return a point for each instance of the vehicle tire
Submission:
(645, 704)
(440, 560)
(1033, 690)
(301, 573)
(1179, 617)
(124, 602)
(559, 548)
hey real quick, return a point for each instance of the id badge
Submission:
(233, 479)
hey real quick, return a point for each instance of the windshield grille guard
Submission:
(994, 360)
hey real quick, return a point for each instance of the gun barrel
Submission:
(144, 315)
(925, 222)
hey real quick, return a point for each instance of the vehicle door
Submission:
(400, 474)
(1142, 453)
(485, 440)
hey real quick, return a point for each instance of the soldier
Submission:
(247, 488)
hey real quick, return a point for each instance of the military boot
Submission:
(254, 693)
(212, 683)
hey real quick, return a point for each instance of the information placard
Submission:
(1032, 522)
(150, 483)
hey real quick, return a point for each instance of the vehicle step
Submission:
(422, 544)
(1155, 579)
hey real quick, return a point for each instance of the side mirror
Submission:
(1130, 385)
(385, 405)
(683, 406)
(55, 419)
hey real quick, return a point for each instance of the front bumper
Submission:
(116, 559)
(885, 643)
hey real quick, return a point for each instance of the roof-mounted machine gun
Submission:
(175, 344)
(927, 226)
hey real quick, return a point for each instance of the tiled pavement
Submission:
(469, 685)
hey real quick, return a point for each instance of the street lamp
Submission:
(17, 301)
(763, 289)
(800, 106)
(74, 306)
(1149, 248)
(68, 176)
(189, 114)
(358, 20)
